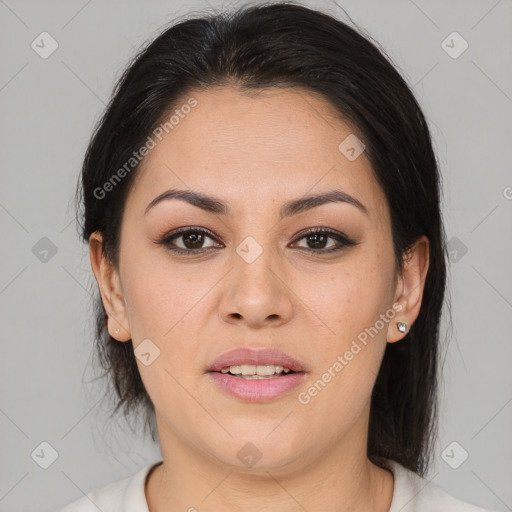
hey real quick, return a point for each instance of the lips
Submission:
(262, 356)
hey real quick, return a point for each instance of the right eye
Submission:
(191, 238)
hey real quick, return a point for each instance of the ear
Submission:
(109, 283)
(410, 286)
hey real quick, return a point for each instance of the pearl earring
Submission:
(117, 331)
(402, 326)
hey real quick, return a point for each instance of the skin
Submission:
(257, 151)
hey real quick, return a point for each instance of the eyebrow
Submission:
(214, 205)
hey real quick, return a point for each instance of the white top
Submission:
(411, 494)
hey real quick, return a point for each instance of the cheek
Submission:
(162, 304)
(154, 304)
(347, 300)
(158, 295)
(351, 352)
(165, 304)
(354, 305)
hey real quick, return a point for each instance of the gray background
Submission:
(48, 110)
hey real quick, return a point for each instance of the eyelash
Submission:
(342, 239)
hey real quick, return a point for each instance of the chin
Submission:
(256, 453)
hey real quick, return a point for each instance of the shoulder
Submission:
(413, 493)
(124, 495)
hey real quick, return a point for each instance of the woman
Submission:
(261, 203)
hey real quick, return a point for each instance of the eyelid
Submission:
(341, 238)
(176, 233)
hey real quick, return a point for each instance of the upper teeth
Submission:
(252, 369)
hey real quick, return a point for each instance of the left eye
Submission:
(318, 238)
(318, 241)
(193, 239)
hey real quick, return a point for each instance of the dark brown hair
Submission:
(274, 45)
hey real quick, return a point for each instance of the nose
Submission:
(256, 292)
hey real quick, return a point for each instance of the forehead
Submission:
(263, 146)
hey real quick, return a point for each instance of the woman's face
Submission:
(257, 280)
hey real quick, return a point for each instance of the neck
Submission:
(341, 480)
